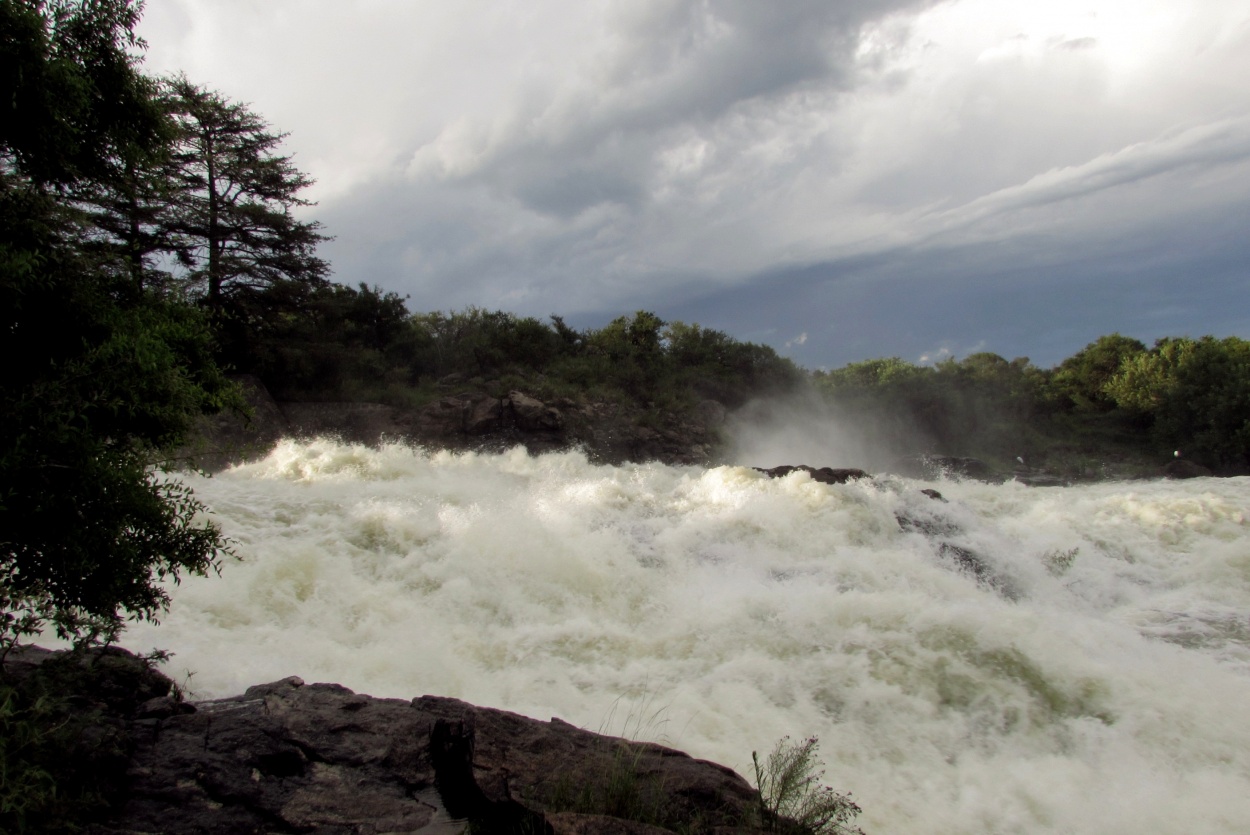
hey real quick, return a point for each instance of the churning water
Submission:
(1067, 660)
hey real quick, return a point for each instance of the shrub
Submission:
(792, 800)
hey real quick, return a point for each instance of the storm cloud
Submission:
(884, 177)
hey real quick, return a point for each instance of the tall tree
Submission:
(110, 374)
(232, 209)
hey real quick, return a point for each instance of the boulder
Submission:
(1184, 468)
(444, 417)
(291, 757)
(483, 415)
(825, 475)
(533, 415)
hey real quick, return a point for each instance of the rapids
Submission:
(1097, 682)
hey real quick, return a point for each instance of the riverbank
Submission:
(290, 757)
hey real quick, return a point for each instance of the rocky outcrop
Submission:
(1184, 468)
(608, 432)
(222, 439)
(289, 757)
(825, 475)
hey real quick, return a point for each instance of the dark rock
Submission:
(286, 757)
(1184, 468)
(533, 415)
(444, 417)
(507, 761)
(1042, 479)
(483, 415)
(228, 437)
(825, 475)
(942, 533)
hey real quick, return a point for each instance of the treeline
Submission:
(1114, 396)
(362, 344)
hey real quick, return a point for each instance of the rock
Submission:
(572, 823)
(226, 438)
(533, 415)
(825, 475)
(483, 415)
(503, 758)
(291, 757)
(1184, 468)
(1042, 479)
(444, 417)
(942, 533)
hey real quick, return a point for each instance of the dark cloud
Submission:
(1181, 279)
(839, 179)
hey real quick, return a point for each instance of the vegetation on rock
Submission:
(792, 798)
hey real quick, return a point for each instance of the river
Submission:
(1093, 677)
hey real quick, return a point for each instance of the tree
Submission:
(233, 198)
(1080, 381)
(1197, 393)
(111, 374)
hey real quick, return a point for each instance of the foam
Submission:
(718, 610)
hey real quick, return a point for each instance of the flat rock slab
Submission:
(286, 757)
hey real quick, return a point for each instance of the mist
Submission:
(806, 428)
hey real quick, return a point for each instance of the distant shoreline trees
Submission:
(1182, 394)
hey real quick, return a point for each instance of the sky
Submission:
(839, 179)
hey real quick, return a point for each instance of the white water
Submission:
(718, 610)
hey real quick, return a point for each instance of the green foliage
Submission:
(330, 342)
(983, 405)
(792, 799)
(232, 198)
(74, 103)
(111, 373)
(1197, 393)
(477, 342)
(619, 789)
(26, 787)
(1079, 382)
(1112, 400)
(717, 366)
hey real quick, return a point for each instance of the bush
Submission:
(792, 800)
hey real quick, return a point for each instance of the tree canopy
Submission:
(111, 373)
(233, 196)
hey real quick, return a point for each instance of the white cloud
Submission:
(570, 156)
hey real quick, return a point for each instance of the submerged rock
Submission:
(825, 475)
